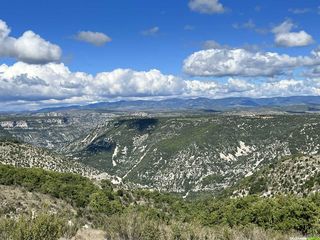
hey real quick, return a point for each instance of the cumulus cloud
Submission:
(235, 87)
(130, 83)
(241, 62)
(28, 82)
(286, 38)
(289, 87)
(31, 82)
(239, 85)
(206, 6)
(29, 47)
(30, 86)
(151, 31)
(95, 38)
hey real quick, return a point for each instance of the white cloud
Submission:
(239, 85)
(31, 82)
(288, 87)
(151, 31)
(206, 6)
(294, 39)
(95, 38)
(235, 87)
(130, 83)
(28, 82)
(199, 88)
(240, 62)
(29, 48)
(29, 86)
(284, 36)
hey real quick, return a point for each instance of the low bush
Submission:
(144, 214)
(43, 226)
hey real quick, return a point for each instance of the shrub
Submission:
(43, 226)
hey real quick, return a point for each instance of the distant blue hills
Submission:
(303, 103)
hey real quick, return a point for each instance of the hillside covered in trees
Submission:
(120, 213)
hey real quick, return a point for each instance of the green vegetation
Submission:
(131, 225)
(298, 174)
(172, 152)
(71, 187)
(141, 124)
(148, 150)
(154, 215)
(43, 226)
(135, 225)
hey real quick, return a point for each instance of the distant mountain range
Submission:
(295, 103)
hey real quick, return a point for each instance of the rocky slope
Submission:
(195, 154)
(182, 153)
(50, 130)
(298, 175)
(25, 155)
(15, 201)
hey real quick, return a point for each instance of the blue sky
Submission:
(178, 32)
(123, 21)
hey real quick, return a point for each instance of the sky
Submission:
(55, 53)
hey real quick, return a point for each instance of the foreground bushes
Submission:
(128, 226)
(135, 225)
(43, 226)
(71, 187)
(283, 213)
(165, 213)
(280, 213)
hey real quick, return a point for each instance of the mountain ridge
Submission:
(200, 103)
